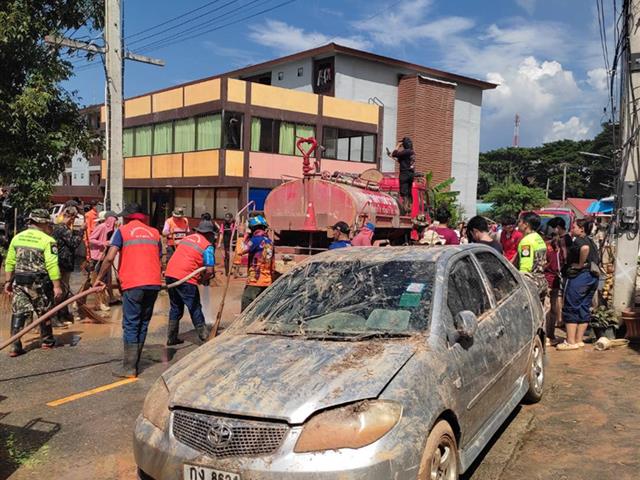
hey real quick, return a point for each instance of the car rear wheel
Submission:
(440, 457)
(536, 373)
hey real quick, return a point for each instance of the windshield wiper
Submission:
(274, 334)
(347, 337)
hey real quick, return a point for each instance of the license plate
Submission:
(195, 472)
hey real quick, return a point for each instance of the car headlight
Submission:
(353, 426)
(156, 404)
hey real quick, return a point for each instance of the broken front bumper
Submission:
(161, 456)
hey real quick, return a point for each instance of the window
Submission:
(185, 135)
(303, 131)
(203, 201)
(300, 71)
(465, 290)
(183, 197)
(280, 76)
(226, 201)
(286, 138)
(143, 136)
(127, 143)
(233, 130)
(341, 144)
(501, 279)
(163, 138)
(265, 135)
(209, 132)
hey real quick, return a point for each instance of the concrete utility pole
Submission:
(114, 58)
(564, 184)
(628, 238)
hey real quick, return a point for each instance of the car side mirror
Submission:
(466, 324)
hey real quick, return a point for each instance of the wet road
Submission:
(586, 427)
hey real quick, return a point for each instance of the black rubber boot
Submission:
(172, 333)
(204, 331)
(129, 367)
(17, 323)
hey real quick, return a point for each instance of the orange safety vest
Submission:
(187, 257)
(178, 229)
(139, 256)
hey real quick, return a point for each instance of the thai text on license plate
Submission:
(194, 472)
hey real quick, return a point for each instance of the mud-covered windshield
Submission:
(347, 298)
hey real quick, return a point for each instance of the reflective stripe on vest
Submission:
(139, 256)
(187, 257)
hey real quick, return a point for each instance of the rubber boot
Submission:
(129, 367)
(17, 323)
(172, 333)
(204, 331)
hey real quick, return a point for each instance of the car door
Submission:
(480, 387)
(514, 310)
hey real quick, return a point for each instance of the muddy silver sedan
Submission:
(362, 363)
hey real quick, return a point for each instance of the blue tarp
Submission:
(604, 207)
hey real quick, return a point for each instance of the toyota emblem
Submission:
(219, 434)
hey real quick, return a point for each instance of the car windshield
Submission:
(545, 217)
(347, 298)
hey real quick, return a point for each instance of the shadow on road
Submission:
(24, 446)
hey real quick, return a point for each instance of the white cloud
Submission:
(598, 79)
(239, 57)
(528, 5)
(286, 38)
(572, 129)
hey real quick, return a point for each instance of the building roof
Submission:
(334, 48)
(579, 204)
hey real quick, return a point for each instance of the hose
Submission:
(48, 315)
(187, 278)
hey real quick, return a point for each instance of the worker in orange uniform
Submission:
(175, 229)
(195, 251)
(140, 248)
(259, 247)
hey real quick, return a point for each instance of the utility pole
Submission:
(564, 183)
(627, 235)
(115, 55)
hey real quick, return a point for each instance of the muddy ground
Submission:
(586, 427)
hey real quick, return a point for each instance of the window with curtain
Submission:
(127, 143)
(203, 201)
(163, 138)
(256, 129)
(303, 131)
(287, 138)
(185, 135)
(183, 197)
(143, 137)
(209, 132)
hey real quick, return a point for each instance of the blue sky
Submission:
(546, 54)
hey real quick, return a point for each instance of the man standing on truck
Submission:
(406, 158)
(33, 278)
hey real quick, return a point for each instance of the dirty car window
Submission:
(347, 297)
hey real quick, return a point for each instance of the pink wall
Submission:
(273, 165)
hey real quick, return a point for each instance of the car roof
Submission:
(415, 253)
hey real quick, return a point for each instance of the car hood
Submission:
(283, 378)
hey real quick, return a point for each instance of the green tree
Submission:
(512, 198)
(40, 123)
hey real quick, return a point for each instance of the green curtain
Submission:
(256, 130)
(209, 132)
(304, 131)
(287, 138)
(163, 138)
(185, 135)
(143, 140)
(127, 143)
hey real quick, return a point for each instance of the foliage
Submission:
(439, 196)
(511, 198)
(603, 317)
(40, 123)
(587, 176)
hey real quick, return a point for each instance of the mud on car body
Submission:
(368, 363)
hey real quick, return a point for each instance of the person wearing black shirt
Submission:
(478, 232)
(406, 157)
(581, 285)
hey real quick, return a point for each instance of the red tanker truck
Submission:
(300, 211)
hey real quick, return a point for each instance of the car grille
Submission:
(227, 437)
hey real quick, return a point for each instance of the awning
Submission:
(604, 206)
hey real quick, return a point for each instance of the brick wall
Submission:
(425, 113)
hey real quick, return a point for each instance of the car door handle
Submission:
(500, 332)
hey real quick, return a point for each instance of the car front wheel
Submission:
(440, 457)
(536, 373)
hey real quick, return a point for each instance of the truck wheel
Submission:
(536, 373)
(440, 457)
